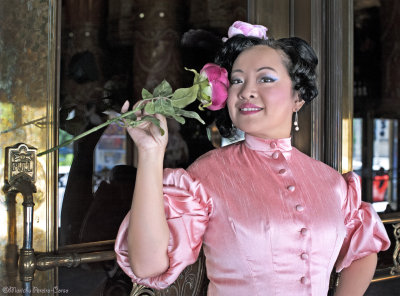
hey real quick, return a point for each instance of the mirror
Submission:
(376, 111)
(110, 50)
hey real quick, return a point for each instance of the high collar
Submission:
(268, 146)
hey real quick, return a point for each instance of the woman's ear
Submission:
(298, 103)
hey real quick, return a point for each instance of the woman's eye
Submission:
(236, 81)
(267, 79)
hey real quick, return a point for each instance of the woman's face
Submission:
(260, 98)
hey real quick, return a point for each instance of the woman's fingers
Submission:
(162, 119)
(145, 125)
(146, 134)
(125, 107)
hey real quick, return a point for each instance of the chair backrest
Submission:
(191, 282)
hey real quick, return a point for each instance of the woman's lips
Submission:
(249, 109)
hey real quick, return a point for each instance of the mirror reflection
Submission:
(110, 50)
(376, 112)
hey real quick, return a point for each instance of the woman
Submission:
(271, 220)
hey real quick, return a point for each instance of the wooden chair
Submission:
(191, 282)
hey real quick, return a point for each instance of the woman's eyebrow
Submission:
(258, 70)
(266, 68)
(237, 70)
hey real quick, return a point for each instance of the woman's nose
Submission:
(248, 92)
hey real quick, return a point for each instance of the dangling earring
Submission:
(296, 122)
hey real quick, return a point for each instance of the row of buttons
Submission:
(299, 208)
(291, 188)
(304, 256)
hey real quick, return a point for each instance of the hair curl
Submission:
(299, 59)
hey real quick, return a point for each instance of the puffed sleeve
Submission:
(187, 208)
(365, 233)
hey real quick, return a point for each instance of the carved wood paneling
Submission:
(157, 27)
(218, 15)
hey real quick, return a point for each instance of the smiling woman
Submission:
(271, 220)
(288, 62)
(261, 100)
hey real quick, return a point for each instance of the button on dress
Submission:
(271, 220)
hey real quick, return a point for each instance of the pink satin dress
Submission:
(272, 221)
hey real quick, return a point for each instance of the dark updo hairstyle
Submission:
(299, 59)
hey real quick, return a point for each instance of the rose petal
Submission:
(212, 71)
(219, 96)
(224, 77)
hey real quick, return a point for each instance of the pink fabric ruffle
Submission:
(187, 208)
(365, 234)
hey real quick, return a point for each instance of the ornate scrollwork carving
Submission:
(139, 290)
(156, 34)
(191, 282)
(396, 254)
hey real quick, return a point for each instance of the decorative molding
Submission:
(191, 282)
(139, 290)
(396, 253)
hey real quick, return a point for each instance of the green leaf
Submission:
(164, 89)
(150, 108)
(164, 107)
(178, 118)
(184, 96)
(155, 121)
(189, 114)
(131, 117)
(146, 94)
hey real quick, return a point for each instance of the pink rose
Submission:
(215, 93)
(247, 29)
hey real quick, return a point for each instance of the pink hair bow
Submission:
(246, 29)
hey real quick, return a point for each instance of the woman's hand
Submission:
(148, 233)
(147, 136)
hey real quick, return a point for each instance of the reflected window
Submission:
(382, 177)
(376, 102)
(384, 164)
(110, 151)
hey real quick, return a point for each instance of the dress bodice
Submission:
(272, 220)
